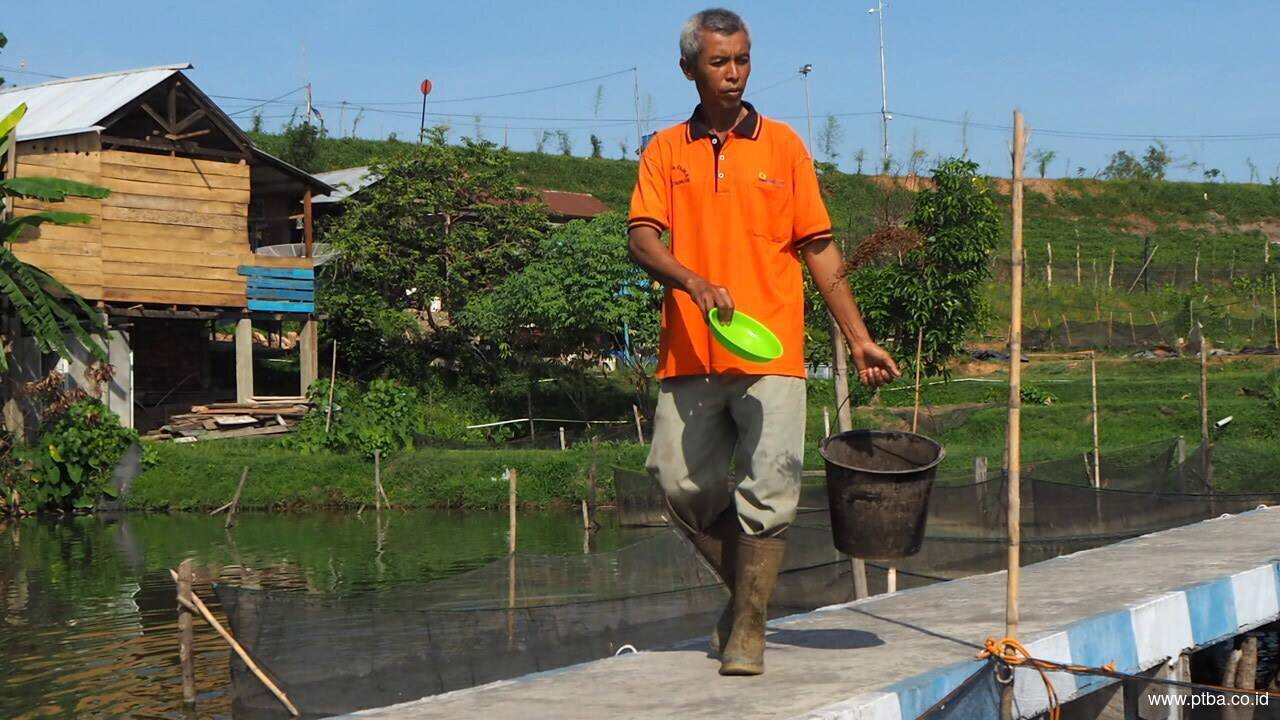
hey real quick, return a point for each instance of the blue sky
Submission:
(1126, 70)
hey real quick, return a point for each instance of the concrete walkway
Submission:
(891, 657)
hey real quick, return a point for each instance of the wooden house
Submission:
(179, 250)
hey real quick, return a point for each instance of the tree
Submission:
(444, 225)
(830, 135)
(579, 299)
(938, 284)
(3, 41)
(565, 142)
(596, 145)
(1152, 166)
(43, 306)
(1212, 174)
(300, 146)
(479, 119)
(859, 158)
(623, 147)
(1042, 158)
(255, 122)
(540, 141)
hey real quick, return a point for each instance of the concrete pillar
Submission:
(119, 392)
(309, 352)
(244, 360)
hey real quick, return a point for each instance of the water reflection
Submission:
(87, 607)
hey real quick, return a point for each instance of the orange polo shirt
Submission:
(738, 212)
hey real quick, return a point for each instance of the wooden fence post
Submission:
(635, 410)
(186, 637)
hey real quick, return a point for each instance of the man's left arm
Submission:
(811, 236)
(826, 265)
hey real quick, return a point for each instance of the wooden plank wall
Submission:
(173, 231)
(71, 253)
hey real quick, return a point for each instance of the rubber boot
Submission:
(718, 545)
(755, 572)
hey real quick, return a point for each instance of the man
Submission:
(738, 194)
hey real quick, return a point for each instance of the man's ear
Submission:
(684, 68)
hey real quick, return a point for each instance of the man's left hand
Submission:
(875, 366)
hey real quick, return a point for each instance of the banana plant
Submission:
(46, 309)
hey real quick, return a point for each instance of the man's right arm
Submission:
(649, 252)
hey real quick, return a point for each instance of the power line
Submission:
(512, 93)
(20, 71)
(255, 107)
(1099, 135)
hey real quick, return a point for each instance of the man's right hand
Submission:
(709, 296)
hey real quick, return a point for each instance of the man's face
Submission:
(721, 71)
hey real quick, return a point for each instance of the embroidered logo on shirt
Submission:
(679, 175)
(762, 177)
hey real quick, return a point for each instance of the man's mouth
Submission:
(736, 92)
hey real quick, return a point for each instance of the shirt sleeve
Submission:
(649, 204)
(811, 222)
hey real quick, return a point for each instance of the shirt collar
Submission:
(696, 128)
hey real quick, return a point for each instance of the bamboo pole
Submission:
(1133, 329)
(186, 637)
(1078, 280)
(1111, 273)
(826, 422)
(635, 410)
(1015, 392)
(1093, 386)
(915, 413)
(1275, 318)
(1048, 266)
(512, 480)
(193, 603)
(1067, 326)
(333, 377)
(1205, 446)
(512, 494)
(235, 500)
(1196, 271)
(564, 445)
(1143, 271)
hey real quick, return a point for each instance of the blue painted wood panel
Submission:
(282, 306)
(270, 272)
(256, 282)
(274, 294)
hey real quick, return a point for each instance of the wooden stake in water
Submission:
(512, 480)
(1015, 391)
(235, 501)
(186, 638)
(1093, 386)
(915, 413)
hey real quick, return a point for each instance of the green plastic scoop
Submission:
(745, 337)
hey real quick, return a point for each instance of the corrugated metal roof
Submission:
(347, 182)
(573, 205)
(63, 107)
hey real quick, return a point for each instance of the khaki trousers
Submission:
(705, 422)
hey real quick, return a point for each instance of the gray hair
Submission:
(717, 20)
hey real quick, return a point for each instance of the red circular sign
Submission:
(425, 87)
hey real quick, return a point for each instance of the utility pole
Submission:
(885, 117)
(804, 73)
(635, 75)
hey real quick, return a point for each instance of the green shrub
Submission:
(72, 462)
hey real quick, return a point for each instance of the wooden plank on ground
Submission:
(157, 202)
(178, 283)
(191, 192)
(170, 217)
(179, 164)
(173, 177)
(182, 273)
(172, 297)
(281, 273)
(245, 432)
(170, 233)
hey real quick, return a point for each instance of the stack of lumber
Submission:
(218, 421)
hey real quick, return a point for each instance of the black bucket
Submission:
(878, 484)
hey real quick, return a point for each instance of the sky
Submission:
(1091, 76)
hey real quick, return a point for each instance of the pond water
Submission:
(87, 606)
